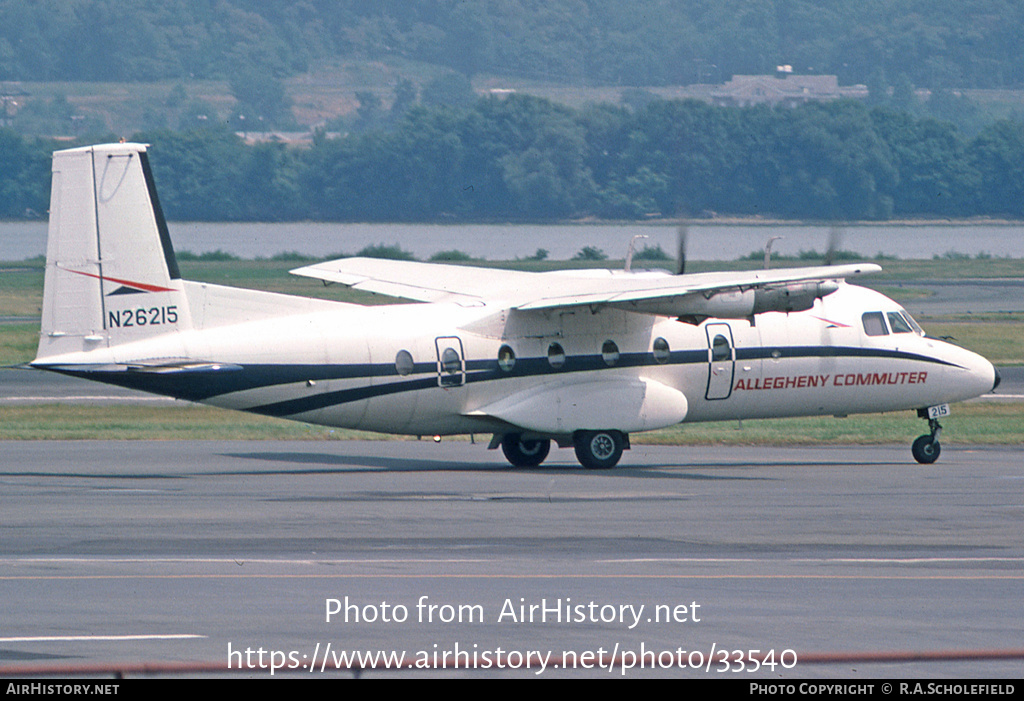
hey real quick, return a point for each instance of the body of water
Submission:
(21, 240)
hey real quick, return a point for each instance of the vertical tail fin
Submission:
(111, 275)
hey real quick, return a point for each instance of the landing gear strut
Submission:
(926, 449)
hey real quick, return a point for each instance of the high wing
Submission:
(422, 282)
(724, 294)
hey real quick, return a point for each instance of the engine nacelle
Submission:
(792, 298)
(739, 304)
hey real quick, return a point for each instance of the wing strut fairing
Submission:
(631, 404)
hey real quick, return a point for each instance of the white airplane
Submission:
(581, 358)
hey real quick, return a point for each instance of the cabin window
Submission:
(610, 353)
(898, 324)
(506, 358)
(556, 355)
(661, 350)
(404, 363)
(451, 363)
(720, 349)
(874, 324)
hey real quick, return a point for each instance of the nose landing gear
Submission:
(926, 448)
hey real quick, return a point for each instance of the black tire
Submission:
(525, 453)
(926, 450)
(598, 450)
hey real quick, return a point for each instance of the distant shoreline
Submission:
(708, 239)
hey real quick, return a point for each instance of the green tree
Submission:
(997, 153)
(935, 177)
(449, 90)
(270, 181)
(405, 97)
(24, 181)
(370, 112)
(199, 174)
(262, 102)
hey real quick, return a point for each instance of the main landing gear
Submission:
(596, 450)
(599, 450)
(522, 452)
(926, 448)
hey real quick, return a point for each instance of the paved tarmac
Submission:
(967, 296)
(195, 552)
(25, 387)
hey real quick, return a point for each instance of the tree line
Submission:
(936, 43)
(522, 158)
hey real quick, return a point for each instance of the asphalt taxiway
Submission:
(196, 552)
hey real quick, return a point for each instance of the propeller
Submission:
(681, 233)
(835, 238)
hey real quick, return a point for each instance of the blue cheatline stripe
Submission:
(764, 352)
(203, 385)
(301, 405)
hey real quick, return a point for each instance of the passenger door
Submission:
(451, 363)
(721, 361)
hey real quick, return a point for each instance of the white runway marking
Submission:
(93, 638)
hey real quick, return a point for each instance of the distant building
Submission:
(288, 138)
(12, 97)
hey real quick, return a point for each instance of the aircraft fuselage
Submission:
(581, 357)
(426, 369)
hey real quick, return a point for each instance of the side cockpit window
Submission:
(874, 324)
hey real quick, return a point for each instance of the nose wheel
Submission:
(926, 448)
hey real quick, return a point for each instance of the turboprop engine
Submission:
(744, 303)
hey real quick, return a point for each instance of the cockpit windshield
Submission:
(899, 322)
(915, 327)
